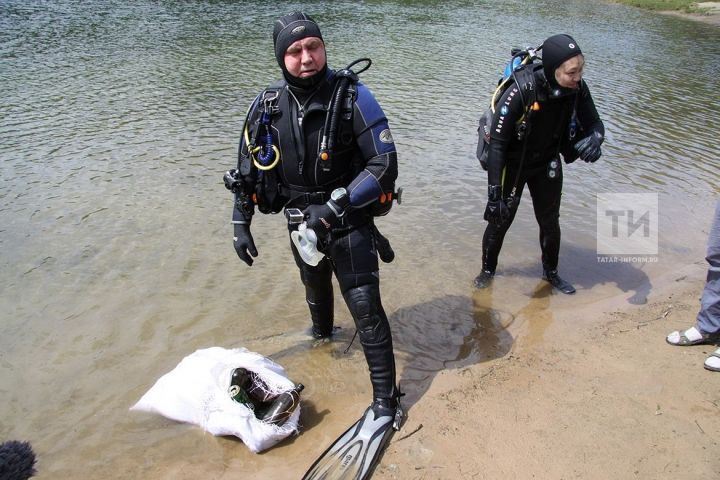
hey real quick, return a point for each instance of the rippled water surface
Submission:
(119, 118)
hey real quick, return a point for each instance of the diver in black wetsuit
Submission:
(562, 120)
(284, 162)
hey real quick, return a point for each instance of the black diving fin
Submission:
(354, 455)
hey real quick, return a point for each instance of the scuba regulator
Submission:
(266, 156)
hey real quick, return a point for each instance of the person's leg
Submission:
(708, 319)
(356, 268)
(491, 244)
(707, 325)
(546, 194)
(495, 234)
(318, 293)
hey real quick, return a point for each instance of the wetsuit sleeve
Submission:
(243, 209)
(588, 115)
(508, 112)
(377, 149)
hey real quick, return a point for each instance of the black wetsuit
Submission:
(549, 131)
(364, 161)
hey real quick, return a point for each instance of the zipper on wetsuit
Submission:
(300, 137)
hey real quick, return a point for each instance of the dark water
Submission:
(119, 118)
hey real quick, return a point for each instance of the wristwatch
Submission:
(340, 199)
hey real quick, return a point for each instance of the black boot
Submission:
(484, 280)
(322, 318)
(389, 407)
(384, 407)
(557, 282)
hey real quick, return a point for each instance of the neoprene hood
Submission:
(289, 29)
(556, 50)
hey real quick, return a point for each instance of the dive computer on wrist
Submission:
(340, 199)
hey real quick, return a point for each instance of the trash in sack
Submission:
(228, 392)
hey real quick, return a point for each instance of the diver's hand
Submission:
(496, 212)
(589, 147)
(322, 218)
(244, 243)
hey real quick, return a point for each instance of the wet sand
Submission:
(600, 395)
(609, 401)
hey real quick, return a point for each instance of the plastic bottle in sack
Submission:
(283, 406)
(239, 383)
(258, 390)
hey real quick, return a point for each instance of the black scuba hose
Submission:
(340, 92)
(346, 77)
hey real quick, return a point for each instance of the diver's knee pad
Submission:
(375, 337)
(365, 307)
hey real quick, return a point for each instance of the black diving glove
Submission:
(496, 211)
(589, 147)
(322, 218)
(244, 243)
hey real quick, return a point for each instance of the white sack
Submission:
(196, 391)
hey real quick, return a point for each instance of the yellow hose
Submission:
(269, 167)
(253, 153)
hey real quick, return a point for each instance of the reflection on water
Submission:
(119, 118)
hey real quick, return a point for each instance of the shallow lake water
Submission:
(119, 118)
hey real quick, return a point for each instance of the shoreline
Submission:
(605, 400)
(708, 18)
(706, 12)
(709, 12)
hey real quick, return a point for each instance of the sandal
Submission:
(691, 336)
(712, 362)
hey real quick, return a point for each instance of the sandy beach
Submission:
(611, 401)
(586, 393)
